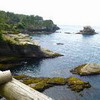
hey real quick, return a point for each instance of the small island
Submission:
(87, 69)
(87, 30)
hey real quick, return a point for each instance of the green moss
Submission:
(20, 77)
(35, 80)
(74, 80)
(76, 84)
(41, 86)
(57, 81)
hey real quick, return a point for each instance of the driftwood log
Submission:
(5, 77)
(15, 90)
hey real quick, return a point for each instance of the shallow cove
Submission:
(77, 49)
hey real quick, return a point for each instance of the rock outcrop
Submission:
(87, 30)
(20, 45)
(40, 84)
(87, 69)
(76, 84)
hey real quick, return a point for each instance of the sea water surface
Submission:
(77, 49)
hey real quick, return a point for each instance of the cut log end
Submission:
(5, 77)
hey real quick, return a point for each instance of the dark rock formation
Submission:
(60, 43)
(44, 29)
(87, 30)
(19, 47)
(87, 69)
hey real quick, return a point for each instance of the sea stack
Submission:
(87, 30)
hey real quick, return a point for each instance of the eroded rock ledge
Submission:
(20, 45)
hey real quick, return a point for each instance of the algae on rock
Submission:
(41, 84)
(76, 84)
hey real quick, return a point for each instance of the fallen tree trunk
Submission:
(15, 90)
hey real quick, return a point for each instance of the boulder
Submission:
(87, 69)
(87, 30)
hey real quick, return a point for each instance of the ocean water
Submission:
(77, 49)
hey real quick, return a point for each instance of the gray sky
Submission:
(73, 12)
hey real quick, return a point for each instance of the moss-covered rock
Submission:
(76, 84)
(41, 84)
(87, 69)
(20, 77)
(34, 80)
(57, 81)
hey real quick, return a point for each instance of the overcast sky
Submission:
(73, 12)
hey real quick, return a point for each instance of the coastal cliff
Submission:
(16, 23)
(22, 46)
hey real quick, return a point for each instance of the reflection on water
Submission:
(77, 49)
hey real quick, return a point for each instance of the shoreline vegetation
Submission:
(20, 23)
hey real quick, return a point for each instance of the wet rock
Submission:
(76, 84)
(67, 33)
(87, 69)
(87, 30)
(60, 44)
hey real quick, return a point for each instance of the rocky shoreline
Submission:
(18, 47)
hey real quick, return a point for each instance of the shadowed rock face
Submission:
(21, 45)
(87, 69)
(87, 30)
